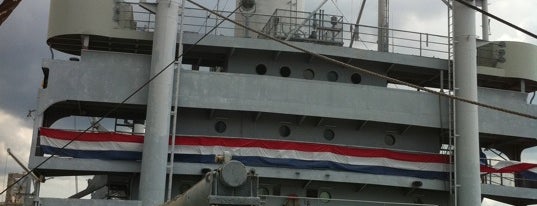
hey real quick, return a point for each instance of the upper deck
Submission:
(128, 28)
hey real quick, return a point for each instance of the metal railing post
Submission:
(420, 44)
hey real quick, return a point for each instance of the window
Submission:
(329, 134)
(325, 196)
(332, 76)
(308, 74)
(389, 139)
(285, 71)
(356, 78)
(285, 131)
(261, 69)
(220, 127)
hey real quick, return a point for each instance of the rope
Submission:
(390, 79)
(497, 18)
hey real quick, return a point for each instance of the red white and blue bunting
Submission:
(264, 153)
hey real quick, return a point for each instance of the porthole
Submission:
(332, 76)
(356, 78)
(262, 192)
(285, 71)
(329, 134)
(389, 139)
(308, 74)
(261, 69)
(285, 131)
(325, 196)
(220, 127)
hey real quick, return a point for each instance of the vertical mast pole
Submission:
(155, 149)
(467, 143)
(485, 20)
(383, 25)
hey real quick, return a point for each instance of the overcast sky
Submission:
(23, 46)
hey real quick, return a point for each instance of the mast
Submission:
(383, 25)
(467, 144)
(485, 20)
(155, 149)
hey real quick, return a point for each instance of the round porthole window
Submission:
(329, 134)
(356, 78)
(285, 71)
(389, 139)
(308, 74)
(262, 192)
(332, 76)
(220, 127)
(285, 131)
(261, 69)
(325, 196)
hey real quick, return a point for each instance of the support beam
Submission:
(467, 133)
(307, 184)
(155, 148)
(361, 125)
(301, 120)
(361, 188)
(320, 122)
(211, 113)
(390, 68)
(404, 129)
(257, 116)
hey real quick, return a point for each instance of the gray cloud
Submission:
(22, 43)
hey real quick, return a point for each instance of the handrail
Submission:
(311, 200)
(506, 179)
(401, 41)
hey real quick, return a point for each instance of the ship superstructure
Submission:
(307, 131)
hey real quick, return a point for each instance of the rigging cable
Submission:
(374, 74)
(122, 102)
(497, 18)
(341, 12)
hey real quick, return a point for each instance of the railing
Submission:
(292, 25)
(507, 179)
(326, 29)
(311, 201)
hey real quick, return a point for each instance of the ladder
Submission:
(452, 124)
